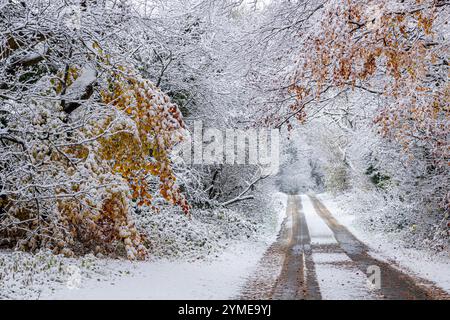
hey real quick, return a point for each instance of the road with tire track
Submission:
(315, 257)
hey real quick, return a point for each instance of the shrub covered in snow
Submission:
(81, 133)
(205, 232)
(27, 276)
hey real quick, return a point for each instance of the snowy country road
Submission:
(297, 279)
(322, 259)
(315, 256)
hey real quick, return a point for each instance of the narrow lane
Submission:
(395, 285)
(297, 279)
(315, 257)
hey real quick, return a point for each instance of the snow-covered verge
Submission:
(203, 234)
(218, 278)
(208, 256)
(27, 276)
(425, 263)
(207, 232)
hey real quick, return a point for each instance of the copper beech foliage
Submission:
(99, 169)
(138, 146)
(391, 49)
(158, 124)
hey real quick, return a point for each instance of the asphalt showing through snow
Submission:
(315, 257)
(297, 279)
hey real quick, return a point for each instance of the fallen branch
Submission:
(238, 199)
(241, 196)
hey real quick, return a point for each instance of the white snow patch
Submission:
(331, 257)
(279, 204)
(88, 76)
(340, 282)
(218, 279)
(423, 263)
(319, 232)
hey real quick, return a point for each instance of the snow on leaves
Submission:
(391, 49)
(79, 136)
(157, 126)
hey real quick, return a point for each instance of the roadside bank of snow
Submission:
(28, 276)
(219, 275)
(279, 204)
(217, 279)
(426, 264)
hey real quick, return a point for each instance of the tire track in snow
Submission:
(339, 277)
(313, 248)
(298, 277)
(286, 271)
(395, 285)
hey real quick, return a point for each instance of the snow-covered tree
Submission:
(82, 131)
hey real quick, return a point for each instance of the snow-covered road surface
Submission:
(323, 260)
